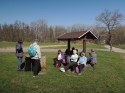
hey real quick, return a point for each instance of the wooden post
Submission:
(43, 62)
(84, 46)
(68, 44)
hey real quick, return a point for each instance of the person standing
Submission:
(19, 53)
(36, 59)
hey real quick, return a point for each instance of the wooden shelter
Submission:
(72, 36)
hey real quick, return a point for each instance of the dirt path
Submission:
(115, 49)
(45, 49)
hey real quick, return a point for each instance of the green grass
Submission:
(120, 46)
(76, 45)
(25, 44)
(7, 44)
(109, 77)
(11, 44)
(79, 45)
(89, 45)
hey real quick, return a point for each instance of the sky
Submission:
(57, 12)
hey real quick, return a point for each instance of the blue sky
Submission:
(57, 12)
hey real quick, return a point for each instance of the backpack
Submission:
(31, 50)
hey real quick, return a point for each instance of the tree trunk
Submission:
(110, 43)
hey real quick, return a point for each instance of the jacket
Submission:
(38, 54)
(19, 50)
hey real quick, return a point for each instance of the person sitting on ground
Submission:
(82, 62)
(67, 56)
(92, 60)
(71, 52)
(60, 58)
(67, 52)
(77, 51)
(73, 62)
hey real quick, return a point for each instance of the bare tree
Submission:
(110, 20)
(118, 35)
(79, 27)
(100, 32)
(59, 30)
(41, 28)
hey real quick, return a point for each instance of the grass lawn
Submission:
(12, 44)
(108, 77)
(7, 44)
(121, 46)
(76, 45)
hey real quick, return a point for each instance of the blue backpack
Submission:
(31, 50)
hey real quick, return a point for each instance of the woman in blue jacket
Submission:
(19, 53)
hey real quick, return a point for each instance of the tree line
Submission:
(110, 33)
(39, 29)
(21, 31)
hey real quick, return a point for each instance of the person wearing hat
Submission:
(19, 53)
(36, 59)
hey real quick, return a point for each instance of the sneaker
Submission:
(35, 76)
(79, 74)
(62, 69)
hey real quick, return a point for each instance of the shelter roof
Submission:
(77, 35)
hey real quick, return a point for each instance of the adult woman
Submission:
(36, 59)
(82, 62)
(73, 62)
(19, 53)
(92, 60)
(60, 58)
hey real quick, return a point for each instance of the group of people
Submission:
(71, 60)
(35, 60)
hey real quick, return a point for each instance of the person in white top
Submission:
(36, 59)
(73, 62)
(37, 47)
